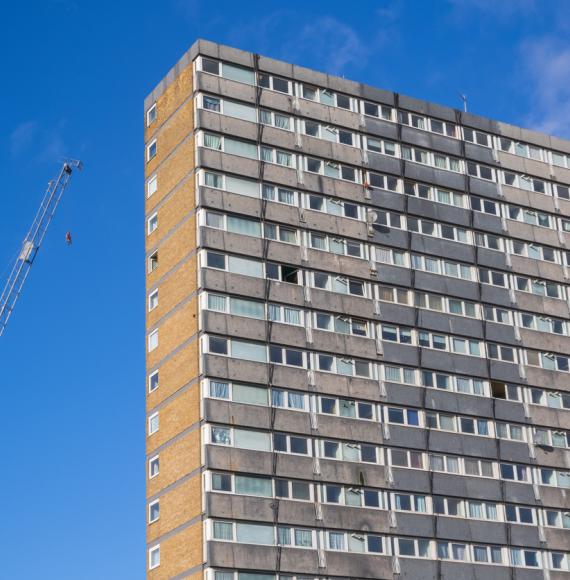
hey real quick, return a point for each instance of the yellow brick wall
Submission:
(176, 460)
(179, 553)
(176, 372)
(176, 318)
(175, 416)
(173, 249)
(181, 504)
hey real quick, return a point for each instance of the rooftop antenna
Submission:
(464, 99)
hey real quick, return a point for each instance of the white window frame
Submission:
(151, 423)
(151, 115)
(151, 185)
(150, 506)
(149, 149)
(152, 223)
(151, 552)
(153, 340)
(150, 377)
(152, 303)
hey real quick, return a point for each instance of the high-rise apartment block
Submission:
(358, 332)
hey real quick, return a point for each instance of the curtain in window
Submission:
(475, 510)
(432, 265)
(331, 169)
(251, 440)
(249, 351)
(212, 141)
(254, 534)
(491, 510)
(291, 315)
(458, 551)
(566, 520)
(250, 395)
(274, 313)
(516, 557)
(384, 256)
(219, 390)
(249, 308)
(281, 121)
(336, 541)
(480, 554)
(443, 550)
(392, 373)
(223, 576)
(436, 462)
(296, 400)
(267, 154)
(482, 427)
(283, 536)
(284, 158)
(217, 302)
(353, 498)
(440, 161)
(223, 531)
(213, 180)
(277, 398)
(303, 538)
(286, 196)
(452, 465)
(410, 376)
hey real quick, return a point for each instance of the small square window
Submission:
(154, 557)
(153, 381)
(151, 115)
(151, 185)
(153, 300)
(153, 423)
(151, 150)
(153, 261)
(152, 223)
(153, 340)
(153, 467)
(153, 511)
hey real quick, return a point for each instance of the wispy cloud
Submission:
(331, 43)
(547, 70)
(21, 137)
(497, 8)
(37, 141)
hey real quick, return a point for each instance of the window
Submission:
(331, 169)
(153, 511)
(151, 150)
(413, 548)
(403, 416)
(153, 467)
(380, 111)
(154, 557)
(153, 300)
(153, 261)
(275, 83)
(480, 171)
(153, 381)
(152, 223)
(153, 340)
(151, 115)
(515, 472)
(402, 458)
(153, 423)
(151, 186)
(476, 137)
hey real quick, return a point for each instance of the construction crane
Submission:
(33, 241)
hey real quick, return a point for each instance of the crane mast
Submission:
(33, 241)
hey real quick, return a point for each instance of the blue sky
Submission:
(75, 76)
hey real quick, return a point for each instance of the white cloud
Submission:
(21, 137)
(547, 64)
(501, 8)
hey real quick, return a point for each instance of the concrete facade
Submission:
(358, 332)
